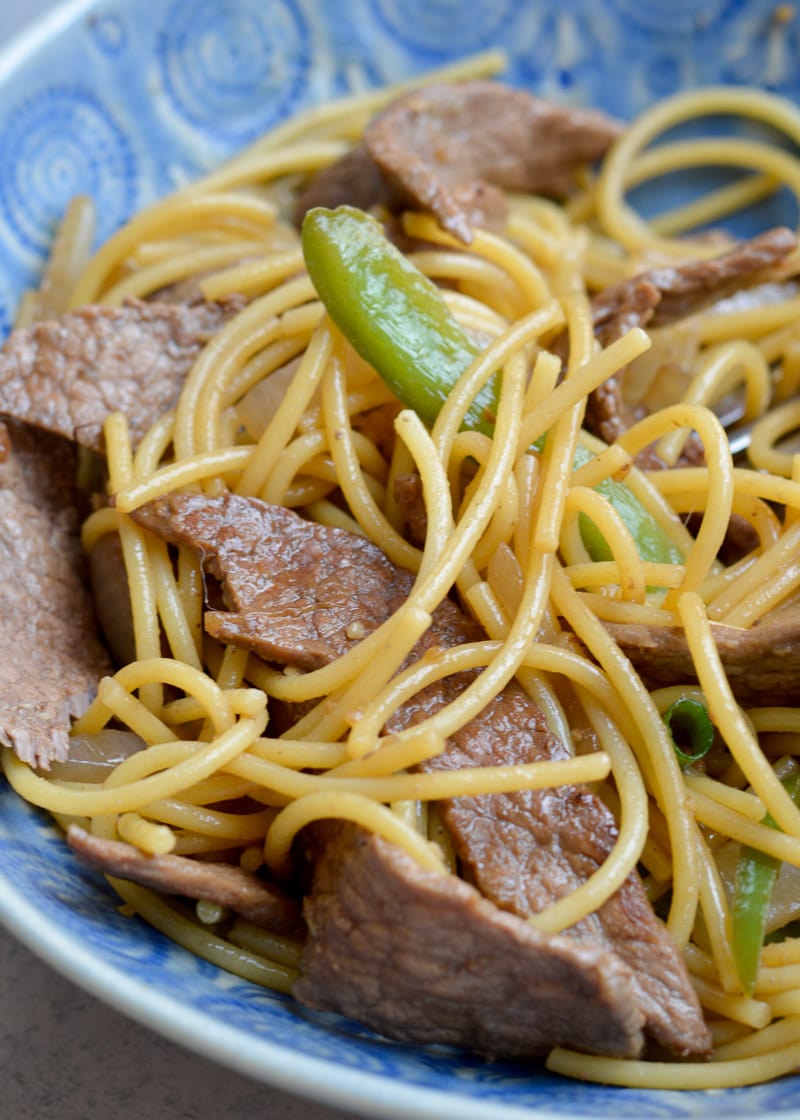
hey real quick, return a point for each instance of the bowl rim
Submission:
(210, 1037)
(19, 48)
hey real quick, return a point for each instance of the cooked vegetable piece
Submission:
(756, 873)
(397, 320)
(688, 719)
(652, 541)
(392, 314)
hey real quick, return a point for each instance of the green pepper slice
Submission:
(756, 873)
(391, 313)
(689, 718)
(652, 542)
(396, 319)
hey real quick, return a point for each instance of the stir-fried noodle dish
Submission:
(401, 535)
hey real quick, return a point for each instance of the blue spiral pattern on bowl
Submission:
(109, 33)
(62, 141)
(439, 28)
(233, 70)
(679, 16)
(133, 97)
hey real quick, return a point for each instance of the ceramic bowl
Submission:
(125, 100)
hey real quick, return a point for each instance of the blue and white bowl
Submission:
(126, 99)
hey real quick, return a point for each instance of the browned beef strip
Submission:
(67, 375)
(258, 901)
(660, 296)
(608, 415)
(353, 180)
(452, 149)
(410, 499)
(295, 590)
(276, 613)
(52, 660)
(740, 537)
(377, 424)
(762, 663)
(186, 291)
(417, 955)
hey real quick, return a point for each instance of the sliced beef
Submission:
(661, 296)
(353, 180)
(186, 291)
(664, 295)
(453, 148)
(417, 955)
(608, 416)
(377, 424)
(295, 590)
(293, 615)
(762, 663)
(67, 375)
(52, 659)
(629, 305)
(38, 468)
(410, 498)
(740, 537)
(260, 902)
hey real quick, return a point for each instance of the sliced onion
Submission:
(785, 902)
(760, 295)
(256, 408)
(660, 376)
(93, 757)
(112, 599)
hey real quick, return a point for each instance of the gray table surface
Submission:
(66, 1056)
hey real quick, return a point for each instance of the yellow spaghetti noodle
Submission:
(278, 407)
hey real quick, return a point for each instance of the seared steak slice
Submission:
(67, 375)
(762, 663)
(297, 613)
(452, 148)
(52, 659)
(421, 956)
(660, 296)
(258, 901)
(353, 180)
(523, 850)
(411, 502)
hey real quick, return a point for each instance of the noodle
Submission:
(278, 407)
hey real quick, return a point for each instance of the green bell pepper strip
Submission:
(689, 717)
(756, 873)
(396, 319)
(652, 542)
(391, 313)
